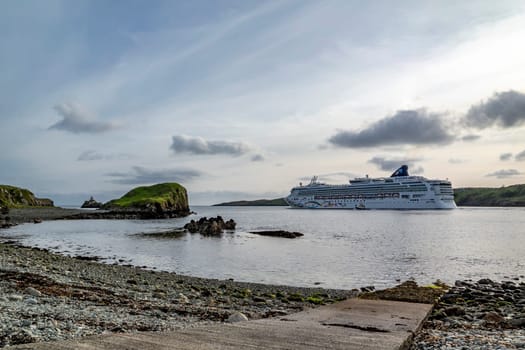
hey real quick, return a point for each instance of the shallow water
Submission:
(340, 248)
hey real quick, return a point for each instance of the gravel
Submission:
(46, 296)
(477, 315)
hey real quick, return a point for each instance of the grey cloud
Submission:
(414, 127)
(257, 158)
(472, 137)
(504, 109)
(94, 155)
(456, 161)
(200, 146)
(520, 156)
(77, 121)
(139, 176)
(505, 156)
(504, 173)
(394, 163)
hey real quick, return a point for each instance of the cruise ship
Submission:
(399, 191)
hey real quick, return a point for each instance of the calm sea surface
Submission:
(340, 248)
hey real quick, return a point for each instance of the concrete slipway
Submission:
(350, 324)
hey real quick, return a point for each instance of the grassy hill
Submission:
(161, 197)
(510, 196)
(15, 197)
(254, 203)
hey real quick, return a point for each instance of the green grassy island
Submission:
(509, 196)
(15, 197)
(165, 197)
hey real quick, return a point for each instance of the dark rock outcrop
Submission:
(278, 233)
(91, 203)
(211, 226)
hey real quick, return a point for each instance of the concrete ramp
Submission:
(350, 324)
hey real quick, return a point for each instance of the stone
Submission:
(454, 311)
(237, 317)
(23, 336)
(183, 299)
(485, 281)
(493, 317)
(32, 291)
(15, 297)
(212, 226)
(278, 233)
(517, 322)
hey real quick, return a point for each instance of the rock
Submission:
(237, 317)
(23, 336)
(454, 311)
(212, 226)
(32, 291)
(367, 289)
(517, 322)
(15, 297)
(493, 317)
(91, 203)
(485, 281)
(182, 299)
(278, 233)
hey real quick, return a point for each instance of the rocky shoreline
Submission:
(477, 315)
(46, 297)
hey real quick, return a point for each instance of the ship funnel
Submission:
(402, 171)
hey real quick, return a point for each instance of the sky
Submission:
(241, 99)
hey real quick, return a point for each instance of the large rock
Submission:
(165, 200)
(211, 226)
(91, 203)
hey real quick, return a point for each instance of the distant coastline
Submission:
(255, 203)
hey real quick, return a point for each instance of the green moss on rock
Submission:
(162, 198)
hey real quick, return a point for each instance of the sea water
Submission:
(339, 249)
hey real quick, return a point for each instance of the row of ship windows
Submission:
(342, 192)
(369, 196)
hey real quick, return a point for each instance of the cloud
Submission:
(77, 121)
(503, 109)
(409, 127)
(394, 163)
(91, 155)
(504, 173)
(505, 156)
(520, 156)
(456, 161)
(139, 176)
(257, 158)
(470, 137)
(200, 146)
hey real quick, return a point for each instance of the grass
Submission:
(491, 197)
(161, 193)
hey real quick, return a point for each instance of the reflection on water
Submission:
(340, 249)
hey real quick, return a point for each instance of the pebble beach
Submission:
(46, 297)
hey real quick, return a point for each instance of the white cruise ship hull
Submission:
(390, 203)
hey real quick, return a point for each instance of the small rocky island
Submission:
(91, 203)
(161, 201)
(211, 226)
